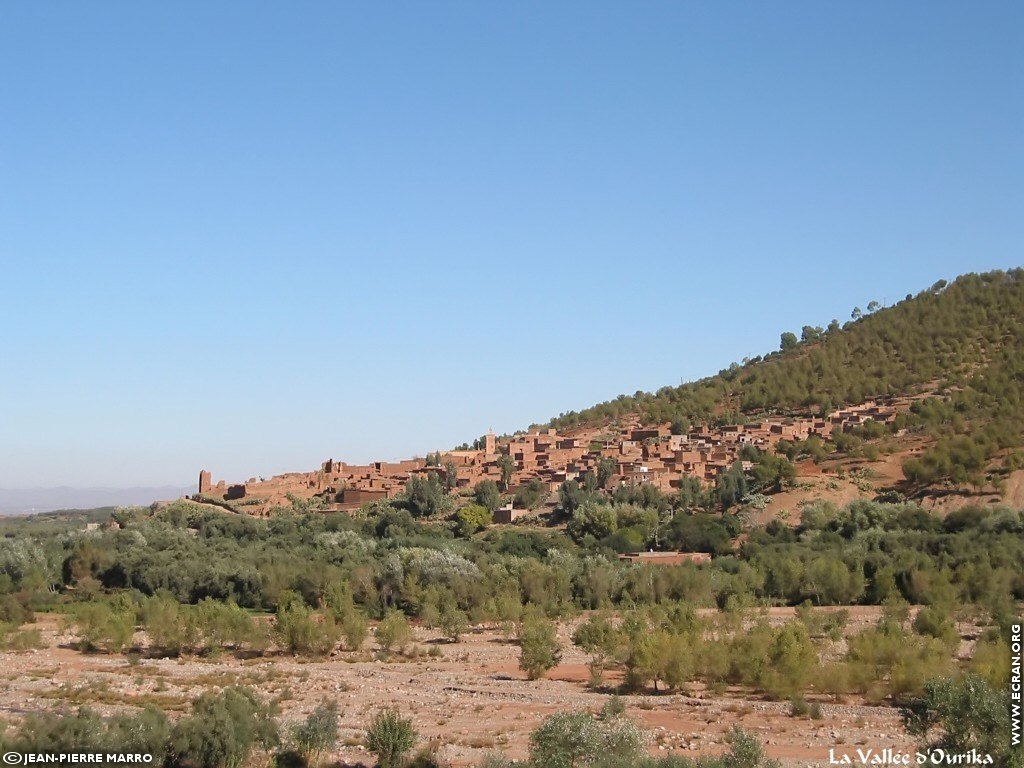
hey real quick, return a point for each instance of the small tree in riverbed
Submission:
(394, 632)
(319, 732)
(539, 649)
(390, 737)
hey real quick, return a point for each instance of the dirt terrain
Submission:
(847, 479)
(471, 700)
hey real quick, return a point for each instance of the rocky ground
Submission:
(470, 700)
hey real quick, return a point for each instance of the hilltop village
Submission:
(641, 454)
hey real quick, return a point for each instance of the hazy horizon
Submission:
(249, 242)
(23, 501)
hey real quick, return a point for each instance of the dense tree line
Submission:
(386, 560)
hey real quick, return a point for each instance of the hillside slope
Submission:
(963, 342)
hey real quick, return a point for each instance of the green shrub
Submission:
(171, 626)
(23, 640)
(888, 661)
(13, 611)
(991, 662)
(779, 660)
(100, 627)
(145, 732)
(319, 732)
(300, 631)
(592, 519)
(530, 494)
(64, 732)
(472, 518)
(745, 751)
(354, 628)
(935, 621)
(798, 706)
(597, 637)
(675, 661)
(394, 632)
(391, 737)
(425, 496)
(224, 625)
(636, 650)
(453, 622)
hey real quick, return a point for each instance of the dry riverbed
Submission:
(470, 700)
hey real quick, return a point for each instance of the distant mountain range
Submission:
(20, 501)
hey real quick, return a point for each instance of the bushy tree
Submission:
(771, 472)
(472, 518)
(224, 624)
(676, 661)
(487, 495)
(451, 476)
(829, 581)
(354, 628)
(425, 496)
(530, 494)
(637, 651)
(103, 627)
(571, 496)
(745, 751)
(811, 333)
(592, 519)
(577, 739)
(539, 649)
(935, 621)
(731, 486)
(145, 732)
(507, 466)
(607, 466)
(301, 631)
(597, 637)
(222, 730)
(793, 660)
(964, 713)
(699, 533)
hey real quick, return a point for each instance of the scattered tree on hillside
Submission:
(487, 495)
(507, 466)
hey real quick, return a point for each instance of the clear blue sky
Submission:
(251, 236)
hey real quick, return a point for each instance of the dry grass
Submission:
(100, 692)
